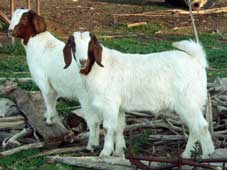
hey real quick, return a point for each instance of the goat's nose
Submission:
(10, 32)
(82, 62)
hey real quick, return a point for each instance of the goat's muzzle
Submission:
(83, 62)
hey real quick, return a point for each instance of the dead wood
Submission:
(108, 163)
(166, 137)
(15, 137)
(11, 119)
(34, 114)
(12, 125)
(136, 24)
(59, 151)
(174, 12)
(4, 17)
(209, 115)
(22, 148)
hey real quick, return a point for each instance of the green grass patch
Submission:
(21, 161)
(16, 49)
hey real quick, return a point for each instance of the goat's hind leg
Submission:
(50, 99)
(51, 115)
(198, 131)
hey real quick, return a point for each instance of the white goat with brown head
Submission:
(117, 82)
(45, 59)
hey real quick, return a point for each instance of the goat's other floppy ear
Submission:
(95, 50)
(39, 23)
(70, 47)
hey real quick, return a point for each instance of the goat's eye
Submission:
(24, 20)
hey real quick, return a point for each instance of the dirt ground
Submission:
(66, 16)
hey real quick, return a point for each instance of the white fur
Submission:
(172, 80)
(16, 17)
(44, 54)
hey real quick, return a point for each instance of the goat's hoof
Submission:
(119, 154)
(104, 154)
(50, 121)
(90, 148)
(186, 155)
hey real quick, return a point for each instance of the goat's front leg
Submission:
(93, 122)
(93, 139)
(110, 123)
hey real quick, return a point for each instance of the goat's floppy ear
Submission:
(95, 50)
(70, 47)
(39, 23)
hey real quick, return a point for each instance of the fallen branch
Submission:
(59, 151)
(136, 24)
(174, 12)
(21, 148)
(12, 125)
(11, 119)
(108, 163)
(166, 137)
(17, 136)
(4, 17)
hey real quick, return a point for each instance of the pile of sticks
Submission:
(23, 132)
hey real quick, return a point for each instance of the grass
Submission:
(21, 161)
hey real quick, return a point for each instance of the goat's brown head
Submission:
(86, 50)
(26, 23)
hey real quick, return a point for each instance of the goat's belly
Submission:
(152, 104)
(66, 89)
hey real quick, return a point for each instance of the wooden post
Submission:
(12, 7)
(28, 4)
(38, 7)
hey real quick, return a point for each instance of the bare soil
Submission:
(66, 16)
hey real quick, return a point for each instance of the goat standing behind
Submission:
(44, 54)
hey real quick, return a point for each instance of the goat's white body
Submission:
(46, 64)
(172, 80)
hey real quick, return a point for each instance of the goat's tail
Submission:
(194, 49)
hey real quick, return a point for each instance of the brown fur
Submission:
(94, 54)
(69, 48)
(30, 25)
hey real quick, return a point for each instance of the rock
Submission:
(219, 153)
(8, 108)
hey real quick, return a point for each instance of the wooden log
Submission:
(136, 24)
(52, 135)
(29, 4)
(4, 17)
(38, 7)
(108, 163)
(12, 125)
(209, 115)
(22, 148)
(174, 12)
(166, 137)
(59, 151)
(11, 119)
(12, 8)
(15, 137)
